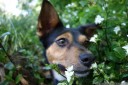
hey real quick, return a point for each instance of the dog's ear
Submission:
(88, 30)
(48, 19)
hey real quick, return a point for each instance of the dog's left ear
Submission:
(88, 30)
(48, 19)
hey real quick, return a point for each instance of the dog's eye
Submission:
(85, 43)
(62, 42)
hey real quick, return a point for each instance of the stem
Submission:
(98, 51)
(126, 13)
(105, 30)
(9, 56)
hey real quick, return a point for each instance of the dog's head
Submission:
(65, 47)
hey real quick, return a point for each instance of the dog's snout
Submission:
(87, 59)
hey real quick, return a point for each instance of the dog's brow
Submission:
(66, 35)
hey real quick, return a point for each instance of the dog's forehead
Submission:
(73, 35)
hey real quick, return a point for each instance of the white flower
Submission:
(127, 35)
(93, 39)
(94, 65)
(126, 49)
(98, 19)
(106, 5)
(71, 5)
(113, 11)
(67, 26)
(123, 24)
(87, 10)
(117, 29)
(69, 68)
(69, 73)
(123, 83)
(103, 8)
(75, 13)
(124, 13)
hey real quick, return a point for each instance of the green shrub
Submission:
(18, 40)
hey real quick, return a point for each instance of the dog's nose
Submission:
(87, 59)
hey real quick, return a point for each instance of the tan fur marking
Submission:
(66, 35)
(39, 31)
(82, 38)
(39, 24)
(63, 56)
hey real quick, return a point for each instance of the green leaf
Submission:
(9, 76)
(36, 75)
(9, 66)
(111, 56)
(97, 80)
(55, 67)
(83, 3)
(5, 34)
(4, 82)
(18, 78)
(120, 53)
(125, 76)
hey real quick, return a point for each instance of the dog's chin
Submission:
(81, 73)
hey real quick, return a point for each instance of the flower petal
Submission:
(70, 68)
(126, 48)
(98, 19)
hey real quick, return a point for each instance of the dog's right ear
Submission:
(89, 30)
(48, 20)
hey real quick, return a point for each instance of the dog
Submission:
(64, 46)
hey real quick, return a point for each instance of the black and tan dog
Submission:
(65, 47)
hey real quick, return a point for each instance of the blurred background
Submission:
(21, 60)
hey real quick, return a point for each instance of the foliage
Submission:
(22, 51)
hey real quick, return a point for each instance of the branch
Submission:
(9, 56)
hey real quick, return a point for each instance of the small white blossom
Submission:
(127, 35)
(106, 5)
(124, 13)
(123, 83)
(123, 24)
(67, 26)
(87, 10)
(126, 49)
(94, 65)
(98, 19)
(93, 39)
(69, 73)
(75, 13)
(71, 5)
(113, 11)
(65, 20)
(69, 68)
(117, 29)
(103, 8)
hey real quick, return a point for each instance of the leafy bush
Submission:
(21, 54)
